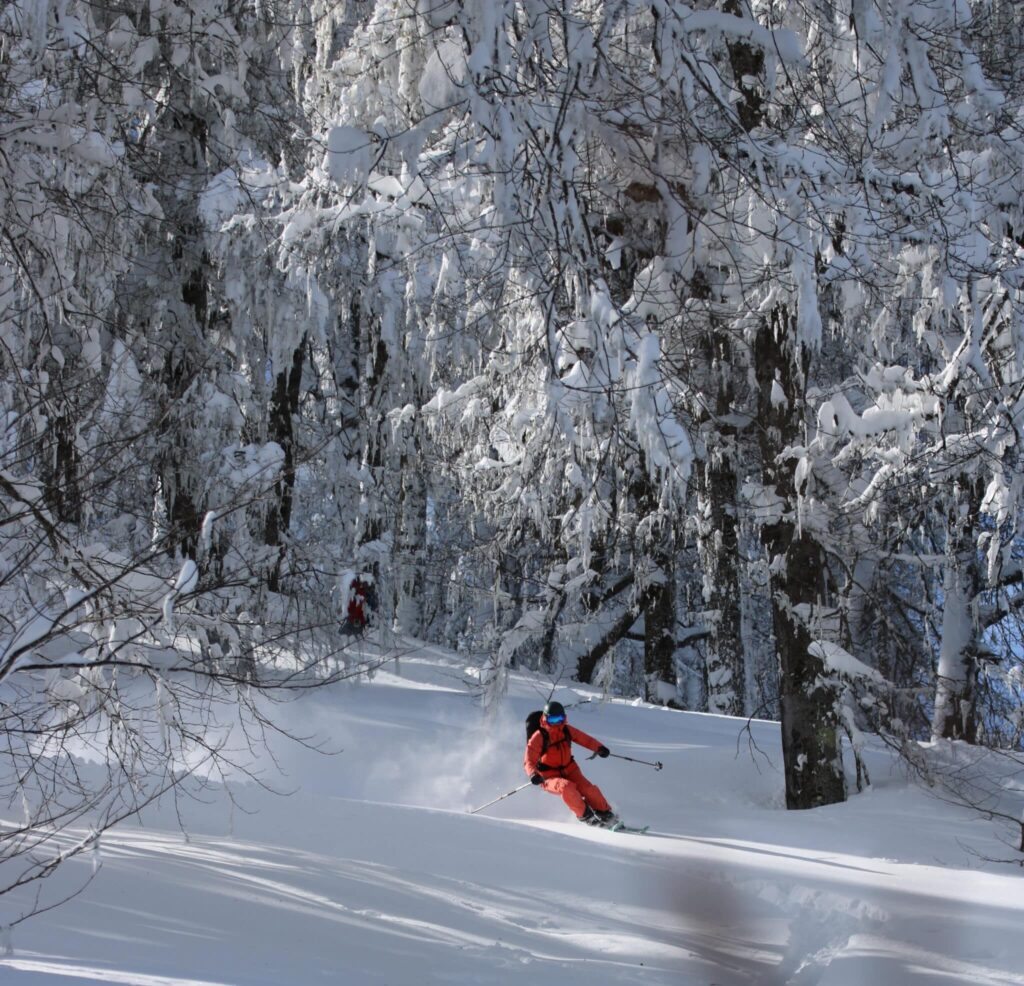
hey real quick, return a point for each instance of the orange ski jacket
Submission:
(558, 755)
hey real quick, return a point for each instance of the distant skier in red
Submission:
(549, 762)
(356, 614)
(362, 600)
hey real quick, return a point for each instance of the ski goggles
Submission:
(555, 720)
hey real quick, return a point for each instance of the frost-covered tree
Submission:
(141, 443)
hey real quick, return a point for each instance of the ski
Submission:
(623, 827)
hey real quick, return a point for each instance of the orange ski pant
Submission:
(576, 791)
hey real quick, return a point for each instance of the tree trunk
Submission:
(180, 496)
(718, 537)
(718, 547)
(370, 518)
(654, 565)
(62, 467)
(955, 714)
(412, 537)
(284, 406)
(659, 634)
(185, 145)
(810, 739)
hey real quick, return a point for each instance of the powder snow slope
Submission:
(372, 872)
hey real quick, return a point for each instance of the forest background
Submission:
(672, 348)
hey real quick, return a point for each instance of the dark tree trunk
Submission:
(375, 440)
(654, 562)
(718, 546)
(412, 536)
(179, 494)
(183, 148)
(284, 406)
(61, 469)
(810, 737)
(659, 631)
(717, 533)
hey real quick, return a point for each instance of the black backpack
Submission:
(533, 724)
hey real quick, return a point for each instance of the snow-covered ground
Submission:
(373, 872)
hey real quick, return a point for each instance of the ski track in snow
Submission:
(373, 873)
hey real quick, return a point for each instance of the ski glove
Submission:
(603, 751)
(536, 779)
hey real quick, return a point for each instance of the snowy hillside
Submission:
(373, 872)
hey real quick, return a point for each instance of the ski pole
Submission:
(657, 765)
(502, 798)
